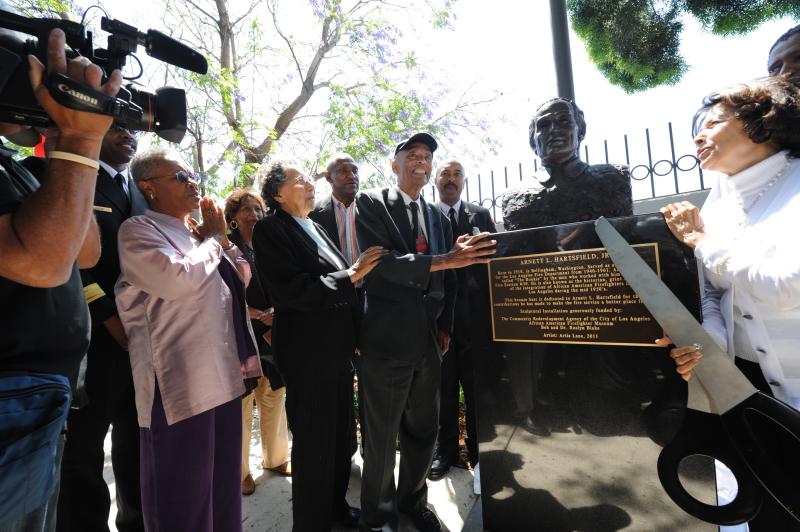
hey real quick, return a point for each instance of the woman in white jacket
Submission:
(746, 236)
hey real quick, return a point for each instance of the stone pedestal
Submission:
(569, 435)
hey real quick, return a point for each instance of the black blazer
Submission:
(314, 329)
(325, 215)
(111, 209)
(473, 282)
(406, 304)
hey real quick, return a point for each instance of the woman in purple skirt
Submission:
(181, 300)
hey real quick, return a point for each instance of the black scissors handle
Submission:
(766, 432)
(758, 440)
(704, 434)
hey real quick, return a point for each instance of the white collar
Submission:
(111, 171)
(408, 201)
(445, 208)
(751, 179)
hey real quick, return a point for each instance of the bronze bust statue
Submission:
(572, 191)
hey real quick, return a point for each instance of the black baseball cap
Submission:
(417, 138)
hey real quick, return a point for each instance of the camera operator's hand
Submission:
(69, 121)
(41, 241)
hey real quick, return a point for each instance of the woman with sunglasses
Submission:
(181, 298)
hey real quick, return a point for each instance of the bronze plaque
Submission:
(569, 297)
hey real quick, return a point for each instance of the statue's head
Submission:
(556, 130)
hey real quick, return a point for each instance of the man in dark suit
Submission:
(404, 331)
(471, 340)
(84, 502)
(336, 213)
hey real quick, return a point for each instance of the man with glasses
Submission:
(84, 502)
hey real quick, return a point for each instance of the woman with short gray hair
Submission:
(181, 300)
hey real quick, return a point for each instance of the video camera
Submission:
(163, 111)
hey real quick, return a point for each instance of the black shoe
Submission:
(535, 427)
(426, 520)
(439, 467)
(348, 517)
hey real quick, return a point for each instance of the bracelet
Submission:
(74, 157)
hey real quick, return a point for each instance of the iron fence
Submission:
(651, 176)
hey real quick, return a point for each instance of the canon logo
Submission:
(75, 94)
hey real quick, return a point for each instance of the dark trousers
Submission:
(192, 470)
(320, 413)
(400, 397)
(84, 502)
(457, 371)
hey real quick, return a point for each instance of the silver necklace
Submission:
(768, 185)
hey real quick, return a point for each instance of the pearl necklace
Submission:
(768, 185)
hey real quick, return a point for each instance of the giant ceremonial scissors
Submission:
(756, 436)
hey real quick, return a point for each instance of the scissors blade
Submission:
(723, 384)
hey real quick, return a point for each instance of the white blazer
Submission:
(753, 275)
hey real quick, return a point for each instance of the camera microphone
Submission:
(157, 45)
(170, 51)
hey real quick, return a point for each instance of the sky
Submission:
(507, 47)
(503, 48)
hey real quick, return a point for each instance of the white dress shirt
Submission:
(112, 172)
(408, 201)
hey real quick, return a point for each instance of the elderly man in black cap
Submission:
(404, 333)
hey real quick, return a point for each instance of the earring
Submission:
(233, 225)
(152, 196)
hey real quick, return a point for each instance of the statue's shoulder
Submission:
(610, 171)
(523, 193)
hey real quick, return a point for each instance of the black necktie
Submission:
(453, 222)
(420, 243)
(120, 180)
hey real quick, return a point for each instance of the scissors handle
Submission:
(766, 432)
(705, 434)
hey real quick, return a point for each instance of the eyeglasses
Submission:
(182, 176)
(119, 129)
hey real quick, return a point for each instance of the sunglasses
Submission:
(181, 176)
(119, 129)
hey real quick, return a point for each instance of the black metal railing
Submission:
(645, 169)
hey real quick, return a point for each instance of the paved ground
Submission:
(269, 508)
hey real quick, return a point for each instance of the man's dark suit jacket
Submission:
(324, 214)
(315, 302)
(111, 209)
(473, 282)
(406, 303)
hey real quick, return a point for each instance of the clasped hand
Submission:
(213, 225)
